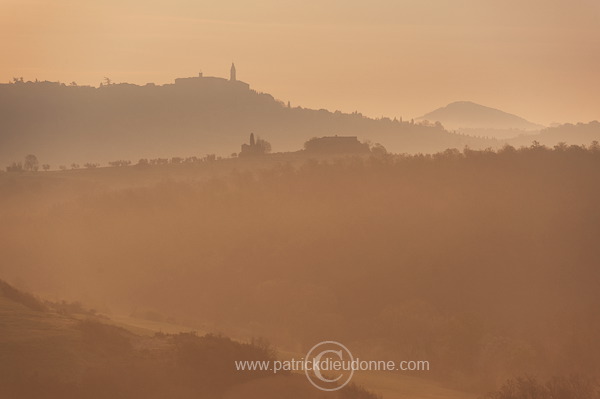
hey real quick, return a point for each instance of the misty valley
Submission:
(148, 280)
(299, 199)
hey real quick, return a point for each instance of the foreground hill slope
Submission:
(50, 353)
(59, 350)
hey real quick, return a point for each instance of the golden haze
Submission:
(538, 59)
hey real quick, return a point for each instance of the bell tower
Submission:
(232, 76)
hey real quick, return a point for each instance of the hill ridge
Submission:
(468, 114)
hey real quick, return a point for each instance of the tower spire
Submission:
(232, 76)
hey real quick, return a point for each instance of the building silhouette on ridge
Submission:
(208, 82)
(232, 73)
(336, 145)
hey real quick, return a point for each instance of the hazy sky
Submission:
(537, 58)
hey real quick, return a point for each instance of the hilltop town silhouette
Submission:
(195, 115)
(211, 82)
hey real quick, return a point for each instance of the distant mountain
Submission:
(466, 115)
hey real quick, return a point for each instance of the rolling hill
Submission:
(194, 116)
(479, 120)
(50, 353)
(60, 350)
